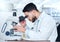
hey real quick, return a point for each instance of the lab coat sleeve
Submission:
(45, 32)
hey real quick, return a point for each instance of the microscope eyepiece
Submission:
(22, 18)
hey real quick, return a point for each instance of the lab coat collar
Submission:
(41, 16)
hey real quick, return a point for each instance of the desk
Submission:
(30, 41)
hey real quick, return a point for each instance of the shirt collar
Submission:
(41, 16)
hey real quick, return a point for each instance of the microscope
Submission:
(8, 30)
(11, 33)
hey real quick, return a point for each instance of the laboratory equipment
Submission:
(9, 31)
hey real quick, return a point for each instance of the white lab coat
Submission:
(44, 29)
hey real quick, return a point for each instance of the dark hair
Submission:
(29, 7)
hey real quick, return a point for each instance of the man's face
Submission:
(31, 16)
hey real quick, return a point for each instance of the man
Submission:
(44, 25)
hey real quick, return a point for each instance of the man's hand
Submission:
(19, 28)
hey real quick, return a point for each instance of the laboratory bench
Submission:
(29, 41)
